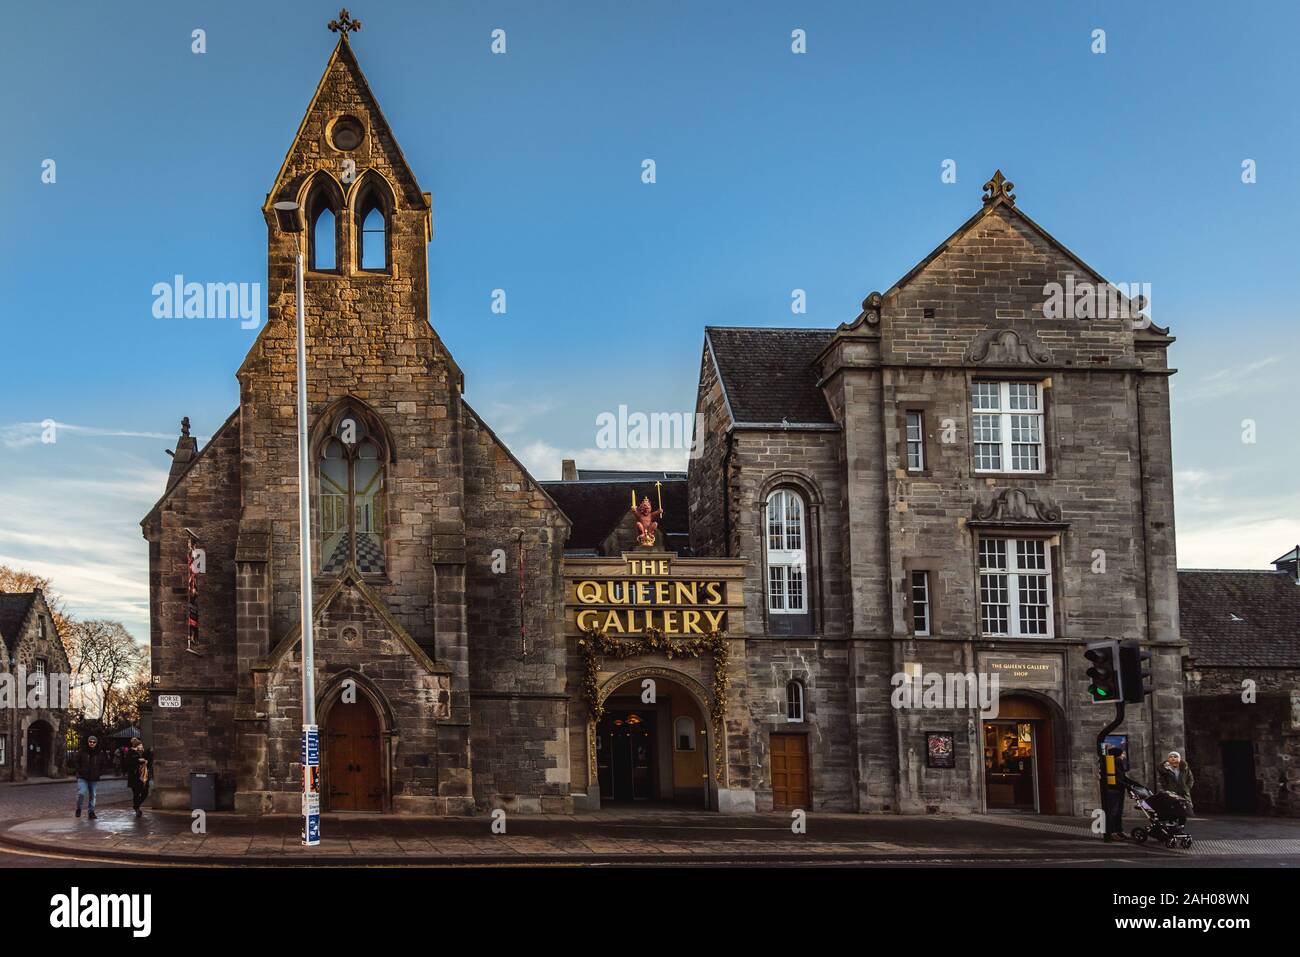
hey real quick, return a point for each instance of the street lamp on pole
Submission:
(310, 732)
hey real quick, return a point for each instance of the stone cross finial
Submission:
(999, 187)
(344, 24)
(185, 425)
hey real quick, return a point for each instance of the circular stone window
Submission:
(350, 634)
(347, 133)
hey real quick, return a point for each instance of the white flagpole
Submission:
(310, 733)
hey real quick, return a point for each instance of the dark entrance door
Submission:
(352, 761)
(39, 738)
(625, 755)
(790, 771)
(1239, 792)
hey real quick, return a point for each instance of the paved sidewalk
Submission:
(633, 837)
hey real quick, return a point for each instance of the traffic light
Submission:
(1134, 671)
(1104, 678)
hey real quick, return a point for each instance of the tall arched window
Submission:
(352, 497)
(787, 565)
(794, 701)
(372, 251)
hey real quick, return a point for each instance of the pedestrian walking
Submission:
(1176, 777)
(91, 763)
(139, 773)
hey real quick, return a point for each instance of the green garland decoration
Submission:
(595, 644)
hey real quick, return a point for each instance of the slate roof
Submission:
(595, 507)
(767, 374)
(13, 611)
(1267, 603)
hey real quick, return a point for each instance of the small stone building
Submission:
(36, 677)
(1242, 698)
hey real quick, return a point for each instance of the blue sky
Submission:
(775, 172)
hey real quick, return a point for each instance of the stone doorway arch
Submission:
(711, 731)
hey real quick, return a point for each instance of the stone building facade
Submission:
(958, 481)
(35, 677)
(953, 483)
(429, 700)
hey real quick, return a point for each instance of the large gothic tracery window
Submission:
(352, 498)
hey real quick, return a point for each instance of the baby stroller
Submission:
(1166, 815)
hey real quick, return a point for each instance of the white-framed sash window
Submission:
(794, 702)
(1015, 587)
(787, 564)
(1007, 426)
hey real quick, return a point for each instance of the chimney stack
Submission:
(569, 470)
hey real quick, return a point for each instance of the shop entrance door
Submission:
(625, 756)
(1019, 771)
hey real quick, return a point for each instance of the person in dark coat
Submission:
(139, 773)
(90, 763)
(1176, 777)
(1113, 795)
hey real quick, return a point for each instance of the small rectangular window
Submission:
(920, 603)
(4, 749)
(915, 441)
(40, 666)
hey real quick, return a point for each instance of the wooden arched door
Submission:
(354, 773)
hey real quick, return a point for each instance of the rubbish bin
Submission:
(203, 791)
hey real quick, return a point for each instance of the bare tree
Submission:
(125, 700)
(105, 660)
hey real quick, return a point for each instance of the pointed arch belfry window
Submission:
(352, 504)
(323, 206)
(373, 209)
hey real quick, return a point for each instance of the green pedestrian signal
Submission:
(1104, 681)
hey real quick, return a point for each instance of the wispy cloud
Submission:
(543, 459)
(1230, 381)
(19, 435)
(78, 524)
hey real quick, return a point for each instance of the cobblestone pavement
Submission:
(644, 837)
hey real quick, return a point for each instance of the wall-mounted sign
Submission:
(1028, 671)
(169, 701)
(644, 593)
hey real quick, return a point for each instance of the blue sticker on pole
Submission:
(310, 785)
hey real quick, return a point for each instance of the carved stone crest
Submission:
(1016, 505)
(1005, 347)
(999, 188)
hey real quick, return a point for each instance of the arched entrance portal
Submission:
(654, 744)
(354, 756)
(40, 740)
(1020, 756)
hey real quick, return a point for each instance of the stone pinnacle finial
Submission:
(999, 188)
(344, 24)
(185, 425)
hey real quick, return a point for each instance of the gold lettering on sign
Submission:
(648, 599)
